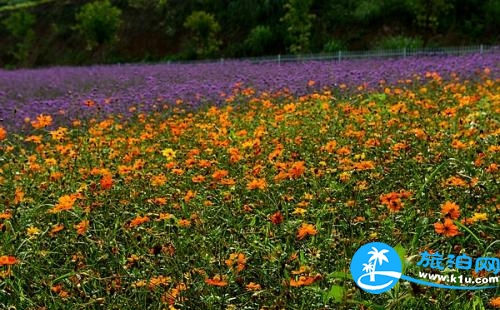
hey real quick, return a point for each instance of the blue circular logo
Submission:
(376, 267)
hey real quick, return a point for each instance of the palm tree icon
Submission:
(368, 267)
(376, 256)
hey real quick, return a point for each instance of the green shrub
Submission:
(204, 29)
(399, 42)
(20, 26)
(259, 40)
(333, 46)
(299, 23)
(98, 22)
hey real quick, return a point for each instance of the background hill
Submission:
(78, 32)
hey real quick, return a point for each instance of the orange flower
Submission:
(18, 196)
(306, 230)
(5, 215)
(189, 195)
(177, 171)
(392, 200)
(216, 281)
(81, 228)
(456, 144)
(455, 181)
(493, 167)
(59, 134)
(89, 103)
(304, 280)
(449, 111)
(235, 155)
(364, 165)
(277, 218)
(297, 169)
(7, 260)
(219, 174)
(34, 139)
(3, 133)
(164, 216)
(138, 221)
(158, 200)
(237, 259)
(253, 286)
(203, 163)
(344, 151)
(56, 175)
(495, 302)
(257, 184)
(227, 182)
(184, 223)
(55, 229)
(198, 179)
(449, 229)
(42, 121)
(65, 202)
(450, 209)
(106, 181)
(395, 205)
(158, 180)
(157, 281)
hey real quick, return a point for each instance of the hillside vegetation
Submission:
(47, 32)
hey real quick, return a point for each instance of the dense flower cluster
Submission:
(66, 93)
(259, 203)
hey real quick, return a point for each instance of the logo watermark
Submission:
(376, 267)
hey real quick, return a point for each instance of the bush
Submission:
(399, 42)
(20, 26)
(299, 23)
(333, 46)
(259, 40)
(98, 22)
(204, 29)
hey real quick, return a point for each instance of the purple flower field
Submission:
(62, 91)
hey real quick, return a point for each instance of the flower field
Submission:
(242, 186)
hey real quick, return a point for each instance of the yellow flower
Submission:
(168, 153)
(32, 230)
(480, 217)
(299, 211)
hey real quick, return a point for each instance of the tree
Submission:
(299, 23)
(429, 13)
(259, 40)
(98, 22)
(204, 29)
(20, 25)
(147, 4)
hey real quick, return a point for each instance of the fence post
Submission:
(404, 52)
(481, 49)
(279, 59)
(339, 56)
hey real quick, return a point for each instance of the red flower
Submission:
(277, 218)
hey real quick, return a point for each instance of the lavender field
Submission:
(62, 91)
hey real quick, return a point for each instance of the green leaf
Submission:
(340, 275)
(401, 252)
(477, 303)
(336, 292)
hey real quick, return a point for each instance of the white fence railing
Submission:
(345, 55)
